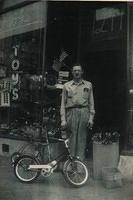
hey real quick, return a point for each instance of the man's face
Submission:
(77, 72)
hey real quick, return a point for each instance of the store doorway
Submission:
(107, 71)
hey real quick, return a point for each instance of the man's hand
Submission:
(63, 125)
(90, 124)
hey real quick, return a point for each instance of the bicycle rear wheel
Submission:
(75, 173)
(22, 171)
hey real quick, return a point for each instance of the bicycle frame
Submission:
(51, 163)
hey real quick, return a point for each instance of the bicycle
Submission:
(27, 168)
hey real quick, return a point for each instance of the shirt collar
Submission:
(73, 83)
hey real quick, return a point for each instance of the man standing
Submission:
(77, 111)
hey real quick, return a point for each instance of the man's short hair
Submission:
(77, 64)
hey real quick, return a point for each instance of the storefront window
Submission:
(21, 49)
(109, 22)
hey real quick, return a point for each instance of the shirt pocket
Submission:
(85, 93)
(69, 93)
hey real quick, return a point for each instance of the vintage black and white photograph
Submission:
(66, 100)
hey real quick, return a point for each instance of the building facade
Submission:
(39, 43)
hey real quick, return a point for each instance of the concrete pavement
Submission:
(55, 188)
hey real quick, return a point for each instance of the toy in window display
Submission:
(5, 89)
(58, 62)
(61, 68)
(2, 72)
(51, 79)
(35, 82)
(24, 92)
(31, 88)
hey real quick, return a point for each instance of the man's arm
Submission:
(63, 109)
(92, 109)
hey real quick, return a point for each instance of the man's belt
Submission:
(77, 106)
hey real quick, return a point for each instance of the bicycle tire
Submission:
(72, 170)
(20, 164)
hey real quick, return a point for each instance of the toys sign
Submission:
(15, 65)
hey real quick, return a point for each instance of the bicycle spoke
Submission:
(22, 170)
(76, 173)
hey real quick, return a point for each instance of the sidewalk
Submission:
(55, 188)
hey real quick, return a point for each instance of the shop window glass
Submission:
(21, 51)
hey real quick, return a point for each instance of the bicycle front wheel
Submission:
(22, 171)
(75, 173)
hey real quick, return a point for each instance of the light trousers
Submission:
(77, 120)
